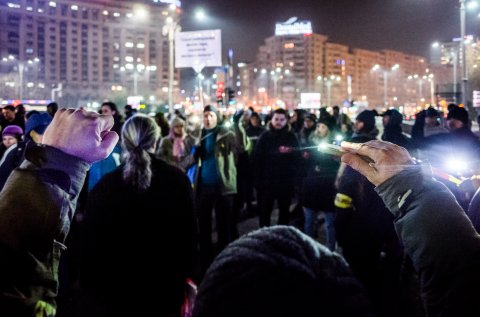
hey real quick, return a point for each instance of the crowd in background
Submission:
(169, 177)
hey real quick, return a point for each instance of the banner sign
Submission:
(198, 49)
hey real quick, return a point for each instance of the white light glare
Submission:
(200, 15)
(322, 146)
(472, 5)
(456, 165)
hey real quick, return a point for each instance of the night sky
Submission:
(405, 25)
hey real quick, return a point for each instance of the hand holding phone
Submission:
(331, 149)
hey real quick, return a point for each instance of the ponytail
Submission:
(139, 135)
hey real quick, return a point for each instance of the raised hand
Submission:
(83, 134)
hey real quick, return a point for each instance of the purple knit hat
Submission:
(13, 130)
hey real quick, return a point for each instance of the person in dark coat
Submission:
(10, 118)
(364, 228)
(37, 206)
(277, 165)
(318, 189)
(140, 232)
(296, 120)
(392, 128)
(110, 109)
(162, 122)
(456, 152)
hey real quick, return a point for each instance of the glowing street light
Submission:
(200, 15)
(22, 67)
(377, 67)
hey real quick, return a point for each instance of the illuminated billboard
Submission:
(293, 27)
(310, 100)
(177, 3)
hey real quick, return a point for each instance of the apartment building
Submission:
(95, 49)
(288, 65)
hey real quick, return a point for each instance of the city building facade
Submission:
(89, 51)
(288, 65)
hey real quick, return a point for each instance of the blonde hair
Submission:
(139, 135)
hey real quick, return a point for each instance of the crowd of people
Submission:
(139, 194)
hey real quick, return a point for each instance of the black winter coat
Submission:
(140, 247)
(318, 186)
(277, 160)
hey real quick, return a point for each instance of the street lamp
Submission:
(464, 55)
(137, 70)
(432, 88)
(385, 80)
(329, 81)
(463, 6)
(22, 66)
(169, 29)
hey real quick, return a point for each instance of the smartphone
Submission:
(331, 149)
(337, 150)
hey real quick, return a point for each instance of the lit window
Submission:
(105, 12)
(116, 14)
(74, 7)
(129, 59)
(13, 5)
(129, 44)
(289, 45)
(129, 15)
(116, 58)
(40, 10)
(140, 45)
(29, 9)
(52, 4)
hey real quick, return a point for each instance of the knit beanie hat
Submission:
(279, 271)
(368, 119)
(13, 130)
(212, 109)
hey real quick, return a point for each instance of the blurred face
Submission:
(178, 129)
(279, 121)
(106, 110)
(9, 140)
(254, 121)
(209, 120)
(8, 114)
(454, 124)
(358, 126)
(385, 120)
(322, 130)
(308, 124)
